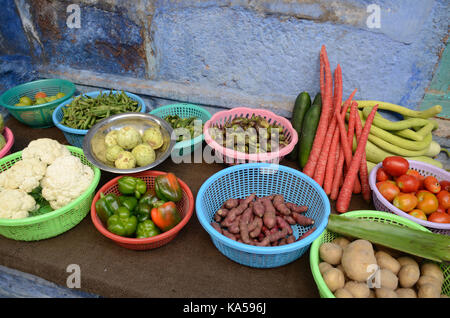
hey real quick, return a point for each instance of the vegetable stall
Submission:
(240, 226)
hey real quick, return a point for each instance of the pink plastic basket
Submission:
(9, 137)
(381, 204)
(231, 156)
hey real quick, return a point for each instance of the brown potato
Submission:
(358, 258)
(386, 261)
(384, 292)
(429, 291)
(408, 275)
(330, 253)
(405, 260)
(406, 293)
(334, 279)
(388, 279)
(324, 266)
(357, 289)
(427, 279)
(343, 293)
(341, 241)
(432, 269)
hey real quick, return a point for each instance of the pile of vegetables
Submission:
(85, 111)
(47, 178)
(410, 137)
(126, 148)
(373, 259)
(250, 135)
(421, 196)
(140, 211)
(190, 127)
(39, 98)
(261, 221)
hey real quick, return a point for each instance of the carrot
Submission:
(325, 155)
(363, 172)
(321, 131)
(350, 134)
(331, 164)
(345, 194)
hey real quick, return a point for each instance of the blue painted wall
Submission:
(263, 52)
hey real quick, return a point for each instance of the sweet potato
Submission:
(217, 227)
(231, 203)
(296, 208)
(269, 217)
(228, 234)
(257, 230)
(282, 224)
(289, 219)
(243, 225)
(306, 234)
(258, 208)
(217, 218)
(222, 212)
(234, 212)
(302, 219)
(280, 206)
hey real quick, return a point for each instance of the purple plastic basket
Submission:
(381, 204)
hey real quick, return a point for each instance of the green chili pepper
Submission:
(106, 206)
(132, 186)
(147, 229)
(129, 202)
(122, 223)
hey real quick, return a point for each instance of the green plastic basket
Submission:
(53, 223)
(37, 116)
(378, 216)
(184, 111)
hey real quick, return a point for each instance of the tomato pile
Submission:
(423, 197)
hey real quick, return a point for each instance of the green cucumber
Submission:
(301, 106)
(309, 127)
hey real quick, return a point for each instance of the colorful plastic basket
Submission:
(231, 156)
(184, 111)
(377, 216)
(263, 179)
(381, 204)
(53, 223)
(185, 207)
(76, 136)
(37, 116)
(9, 137)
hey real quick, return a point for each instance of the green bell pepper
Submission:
(149, 197)
(122, 223)
(142, 211)
(106, 206)
(129, 202)
(132, 186)
(147, 229)
(167, 187)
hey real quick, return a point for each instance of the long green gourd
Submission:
(386, 124)
(432, 246)
(428, 113)
(386, 145)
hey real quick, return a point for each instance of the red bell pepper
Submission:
(166, 216)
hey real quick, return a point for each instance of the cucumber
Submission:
(301, 106)
(309, 127)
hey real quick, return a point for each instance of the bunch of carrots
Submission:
(331, 162)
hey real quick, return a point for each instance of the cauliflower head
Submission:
(16, 204)
(24, 175)
(45, 149)
(65, 180)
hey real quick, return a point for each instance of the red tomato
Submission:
(407, 183)
(427, 202)
(388, 190)
(441, 209)
(432, 184)
(418, 214)
(395, 165)
(382, 175)
(444, 199)
(40, 95)
(439, 217)
(416, 174)
(405, 202)
(445, 185)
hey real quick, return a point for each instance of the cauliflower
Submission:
(24, 175)
(65, 180)
(15, 204)
(45, 149)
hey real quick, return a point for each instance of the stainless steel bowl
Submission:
(140, 121)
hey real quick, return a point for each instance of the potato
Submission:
(405, 260)
(388, 279)
(357, 289)
(384, 292)
(386, 261)
(341, 241)
(432, 269)
(426, 279)
(372, 294)
(357, 259)
(406, 293)
(341, 268)
(408, 275)
(330, 253)
(323, 267)
(334, 279)
(343, 293)
(429, 291)
(387, 250)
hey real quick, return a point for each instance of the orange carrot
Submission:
(363, 172)
(321, 131)
(325, 155)
(350, 134)
(345, 194)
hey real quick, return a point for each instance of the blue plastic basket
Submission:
(184, 111)
(75, 137)
(263, 179)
